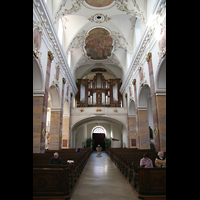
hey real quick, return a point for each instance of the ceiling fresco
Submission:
(99, 3)
(98, 44)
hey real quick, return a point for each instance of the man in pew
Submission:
(146, 162)
(161, 160)
(56, 159)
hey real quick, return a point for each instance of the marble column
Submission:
(132, 128)
(154, 104)
(70, 119)
(136, 113)
(128, 136)
(65, 131)
(61, 114)
(37, 121)
(161, 108)
(54, 142)
(44, 106)
(144, 129)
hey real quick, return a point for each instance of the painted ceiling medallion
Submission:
(99, 3)
(99, 18)
(98, 44)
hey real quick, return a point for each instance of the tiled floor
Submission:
(101, 180)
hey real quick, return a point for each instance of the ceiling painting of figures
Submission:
(99, 3)
(98, 44)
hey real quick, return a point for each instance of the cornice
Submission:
(41, 8)
(145, 40)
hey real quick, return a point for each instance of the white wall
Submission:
(125, 140)
(80, 136)
(85, 131)
(116, 132)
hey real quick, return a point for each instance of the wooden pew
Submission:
(72, 171)
(128, 161)
(51, 182)
(152, 181)
(56, 182)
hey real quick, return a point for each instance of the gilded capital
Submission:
(125, 95)
(34, 53)
(134, 81)
(50, 55)
(64, 81)
(149, 57)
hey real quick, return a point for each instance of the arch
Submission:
(98, 128)
(160, 79)
(143, 95)
(55, 97)
(93, 118)
(98, 136)
(38, 77)
(132, 108)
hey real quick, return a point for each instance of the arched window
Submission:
(98, 130)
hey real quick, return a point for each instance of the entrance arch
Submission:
(98, 135)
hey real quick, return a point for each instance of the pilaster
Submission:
(161, 108)
(54, 142)
(143, 129)
(153, 100)
(45, 102)
(37, 121)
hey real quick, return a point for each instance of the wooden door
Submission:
(98, 139)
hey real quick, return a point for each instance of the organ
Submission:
(99, 92)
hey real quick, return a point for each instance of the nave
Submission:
(101, 180)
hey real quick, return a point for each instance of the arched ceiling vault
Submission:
(117, 17)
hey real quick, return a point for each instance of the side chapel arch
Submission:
(38, 77)
(55, 97)
(160, 79)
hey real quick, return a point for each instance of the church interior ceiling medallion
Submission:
(99, 18)
(99, 3)
(98, 44)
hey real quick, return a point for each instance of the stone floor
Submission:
(101, 180)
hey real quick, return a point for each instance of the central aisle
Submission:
(101, 180)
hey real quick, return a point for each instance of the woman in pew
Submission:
(56, 159)
(146, 162)
(161, 160)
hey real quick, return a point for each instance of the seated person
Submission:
(78, 150)
(146, 161)
(161, 160)
(56, 159)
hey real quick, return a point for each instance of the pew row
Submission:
(148, 183)
(57, 182)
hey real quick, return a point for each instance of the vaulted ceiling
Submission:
(105, 26)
